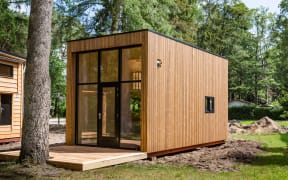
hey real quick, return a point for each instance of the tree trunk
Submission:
(116, 11)
(35, 137)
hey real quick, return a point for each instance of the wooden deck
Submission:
(82, 158)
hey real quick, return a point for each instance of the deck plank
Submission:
(82, 158)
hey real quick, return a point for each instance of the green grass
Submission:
(247, 122)
(271, 165)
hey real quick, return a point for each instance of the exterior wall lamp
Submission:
(159, 63)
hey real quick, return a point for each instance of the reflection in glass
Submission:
(108, 112)
(109, 66)
(130, 116)
(131, 64)
(87, 114)
(88, 67)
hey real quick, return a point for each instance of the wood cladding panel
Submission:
(110, 41)
(144, 81)
(10, 85)
(70, 97)
(176, 95)
(13, 86)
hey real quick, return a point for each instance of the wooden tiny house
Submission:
(11, 94)
(145, 91)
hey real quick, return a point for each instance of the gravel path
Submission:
(56, 136)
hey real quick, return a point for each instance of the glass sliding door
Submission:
(108, 130)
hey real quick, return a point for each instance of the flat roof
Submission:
(169, 37)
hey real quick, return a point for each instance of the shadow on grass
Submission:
(275, 155)
(272, 159)
(284, 138)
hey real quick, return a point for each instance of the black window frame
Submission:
(209, 104)
(100, 83)
(9, 121)
(10, 68)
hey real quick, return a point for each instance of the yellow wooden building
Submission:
(11, 96)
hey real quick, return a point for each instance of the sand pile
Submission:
(263, 126)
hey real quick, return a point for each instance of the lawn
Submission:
(272, 165)
(280, 122)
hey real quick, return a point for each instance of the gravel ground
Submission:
(56, 136)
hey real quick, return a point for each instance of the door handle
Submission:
(99, 115)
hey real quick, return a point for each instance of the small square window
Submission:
(209, 104)
(6, 70)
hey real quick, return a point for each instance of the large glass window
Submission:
(131, 64)
(88, 67)
(102, 81)
(6, 109)
(109, 65)
(6, 70)
(130, 116)
(87, 114)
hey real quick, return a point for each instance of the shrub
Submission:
(255, 113)
(240, 113)
(271, 112)
(283, 100)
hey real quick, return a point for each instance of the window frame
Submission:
(209, 108)
(10, 121)
(10, 68)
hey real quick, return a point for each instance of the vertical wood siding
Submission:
(176, 93)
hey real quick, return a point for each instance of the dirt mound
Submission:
(220, 158)
(262, 126)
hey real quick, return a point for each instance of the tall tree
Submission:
(35, 141)
(262, 67)
(13, 29)
(281, 36)
(64, 28)
(175, 18)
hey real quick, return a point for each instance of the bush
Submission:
(253, 112)
(271, 112)
(240, 113)
(283, 100)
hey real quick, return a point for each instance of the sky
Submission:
(271, 4)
